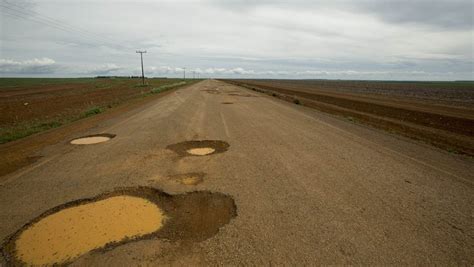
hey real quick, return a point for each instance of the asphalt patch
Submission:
(184, 148)
(190, 217)
(92, 139)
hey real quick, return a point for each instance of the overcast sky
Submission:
(399, 40)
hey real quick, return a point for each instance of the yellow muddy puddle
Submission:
(201, 151)
(90, 140)
(72, 232)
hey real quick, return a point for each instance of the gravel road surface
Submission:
(308, 188)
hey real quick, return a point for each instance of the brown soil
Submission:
(56, 101)
(446, 126)
(182, 149)
(190, 217)
(17, 154)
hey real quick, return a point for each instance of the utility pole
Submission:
(194, 74)
(184, 73)
(143, 73)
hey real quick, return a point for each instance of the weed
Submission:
(93, 111)
(14, 133)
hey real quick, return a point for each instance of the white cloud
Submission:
(104, 69)
(32, 66)
(242, 38)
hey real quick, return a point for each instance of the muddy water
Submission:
(74, 231)
(201, 151)
(64, 233)
(90, 140)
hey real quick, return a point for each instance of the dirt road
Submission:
(308, 188)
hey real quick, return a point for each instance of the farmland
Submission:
(438, 113)
(28, 106)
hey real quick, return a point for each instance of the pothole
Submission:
(227, 103)
(92, 139)
(76, 230)
(199, 147)
(189, 178)
(68, 231)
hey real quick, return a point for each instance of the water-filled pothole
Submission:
(92, 139)
(199, 147)
(77, 230)
(68, 231)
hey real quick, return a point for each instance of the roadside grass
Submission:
(20, 130)
(93, 111)
(23, 129)
(165, 87)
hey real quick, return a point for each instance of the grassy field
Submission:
(32, 105)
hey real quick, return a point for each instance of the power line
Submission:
(22, 14)
(20, 8)
(35, 16)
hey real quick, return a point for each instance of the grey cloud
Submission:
(243, 38)
(440, 13)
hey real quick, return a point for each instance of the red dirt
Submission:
(423, 117)
(56, 102)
